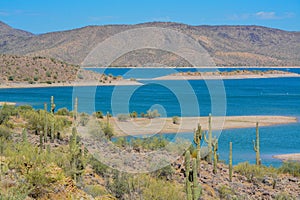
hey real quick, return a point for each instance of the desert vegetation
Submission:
(43, 157)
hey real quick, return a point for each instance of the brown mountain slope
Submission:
(42, 70)
(228, 45)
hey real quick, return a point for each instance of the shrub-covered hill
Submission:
(42, 157)
(39, 69)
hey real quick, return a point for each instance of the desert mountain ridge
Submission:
(227, 45)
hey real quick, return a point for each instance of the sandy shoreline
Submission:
(288, 157)
(213, 67)
(71, 84)
(220, 77)
(7, 103)
(142, 126)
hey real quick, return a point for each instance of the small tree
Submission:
(134, 114)
(175, 119)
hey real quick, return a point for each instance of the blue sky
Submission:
(40, 16)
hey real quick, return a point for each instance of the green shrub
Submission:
(175, 119)
(251, 171)
(63, 112)
(95, 190)
(291, 167)
(134, 114)
(84, 119)
(225, 192)
(11, 78)
(283, 196)
(97, 166)
(108, 130)
(48, 74)
(98, 114)
(161, 189)
(4, 132)
(36, 78)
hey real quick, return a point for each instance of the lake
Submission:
(274, 96)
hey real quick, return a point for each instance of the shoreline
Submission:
(144, 126)
(288, 157)
(123, 82)
(226, 77)
(203, 67)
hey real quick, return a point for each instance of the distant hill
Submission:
(228, 45)
(33, 70)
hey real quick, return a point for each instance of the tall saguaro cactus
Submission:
(188, 188)
(197, 140)
(209, 140)
(196, 186)
(52, 105)
(230, 161)
(46, 123)
(192, 187)
(256, 146)
(75, 110)
(215, 148)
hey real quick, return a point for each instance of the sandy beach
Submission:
(70, 84)
(288, 157)
(220, 77)
(7, 103)
(141, 126)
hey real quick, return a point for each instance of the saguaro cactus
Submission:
(196, 186)
(45, 123)
(188, 188)
(215, 148)
(41, 141)
(193, 188)
(107, 118)
(52, 131)
(75, 110)
(230, 161)
(24, 135)
(256, 146)
(52, 105)
(209, 140)
(197, 140)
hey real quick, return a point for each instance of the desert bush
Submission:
(225, 192)
(84, 119)
(108, 130)
(7, 111)
(161, 189)
(119, 187)
(165, 172)
(254, 171)
(97, 166)
(98, 114)
(63, 112)
(175, 119)
(283, 196)
(152, 114)
(123, 117)
(290, 167)
(95, 190)
(134, 114)
(5, 132)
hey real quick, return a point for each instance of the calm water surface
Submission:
(275, 96)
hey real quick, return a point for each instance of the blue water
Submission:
(277, 96)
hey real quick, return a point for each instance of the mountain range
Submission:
(227, 45)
